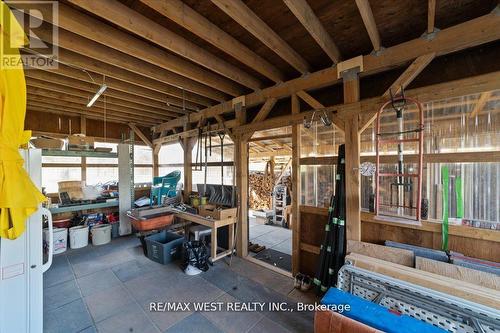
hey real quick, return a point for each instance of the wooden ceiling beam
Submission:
(38, 84)
(99, 52)
(472, 33)
(304, 13)
(107, 70)
(371, 27)
(244, 16)
(165, 96)
(130, 20)
(431, 16)
(483, 99)
(81, 102)
(189, 19)
(49, 78)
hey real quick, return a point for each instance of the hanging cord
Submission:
(105, 137)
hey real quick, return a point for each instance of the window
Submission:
(52, 175)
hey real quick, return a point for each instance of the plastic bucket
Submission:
(101, 234)
(60, 239)
(78, 236)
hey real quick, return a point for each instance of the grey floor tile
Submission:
(194, 323)
(259, 230)
(130, 319)
(60, 271)
(135, 268)
(293, 321)
(285, 246)
(266, 325)
(60, 294)
(70, 318)
(107, 303)
(90, 329)
(232, 322)
(96, 282)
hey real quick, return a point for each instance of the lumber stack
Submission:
(483, 279)
(392, 254)
(468, 291)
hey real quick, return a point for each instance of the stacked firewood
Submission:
(260, 190)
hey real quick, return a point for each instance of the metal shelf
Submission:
(78, 153)
(84, 207)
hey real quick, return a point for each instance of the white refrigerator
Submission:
(22, 267)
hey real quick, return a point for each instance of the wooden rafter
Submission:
(371, 27)
(124, 81)
(141, 135)
(475, 32)
(39, 78)
(304, 13)
(188, 18)
(239, 12)
(431, 16)
(41, 86)
(130, 20)
(483, 99)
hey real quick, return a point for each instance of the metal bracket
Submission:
(378, 52)
(430, 35)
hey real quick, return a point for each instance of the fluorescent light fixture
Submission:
(97, 94)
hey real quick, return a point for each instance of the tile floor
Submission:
(273, 237)
(109, 289)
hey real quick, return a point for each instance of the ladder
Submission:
(279, 204)
(403, 182)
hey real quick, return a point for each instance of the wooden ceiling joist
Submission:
(108, 70)
(188, 18)
(371, 27)
(123, 81)
(304, 13)
(129, 19)
(44, 86)
(483, 99)
(472, 33)
(56, 110)
(50, 79)
(81, 102)
(97, 51)
(244, 16)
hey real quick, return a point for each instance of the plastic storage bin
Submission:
(101, 234)
(78, 236)
(164, 247)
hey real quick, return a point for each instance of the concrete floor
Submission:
(109, 289)
(273, 237)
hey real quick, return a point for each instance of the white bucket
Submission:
(78, 236)
(101, 234)
(60, 239)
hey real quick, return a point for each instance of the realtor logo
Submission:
(31, 29)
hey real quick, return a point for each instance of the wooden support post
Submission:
(156, 169)
(187, 145)
(83, 130)
(295, 189)
(241, 160)
(352, 151)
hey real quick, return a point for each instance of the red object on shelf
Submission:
(66, 223)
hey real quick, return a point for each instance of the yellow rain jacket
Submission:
(19, 197)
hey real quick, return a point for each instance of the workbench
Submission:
(214, 225)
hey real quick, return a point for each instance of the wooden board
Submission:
(465, 290)
(398, 256)
(466, 274)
